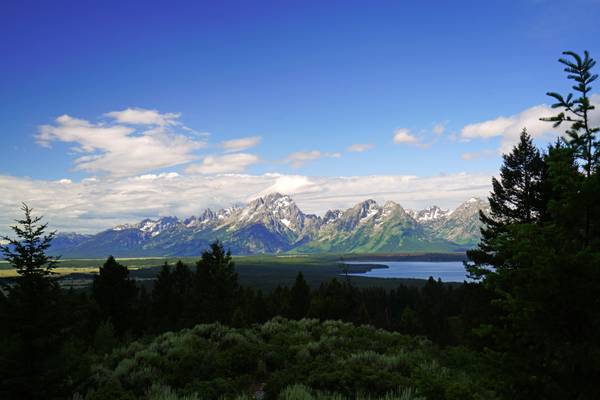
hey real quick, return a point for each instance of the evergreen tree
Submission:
(299, 298)
(215, 287)
(544, 276)
(576, 110)
(517, 197)
(182, 281)
(115, 294)
(27, 252)
(162, 295)
(32, 318)
(582, 137)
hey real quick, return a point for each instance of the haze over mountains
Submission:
(275, 224)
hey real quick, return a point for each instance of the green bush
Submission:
(292, 360)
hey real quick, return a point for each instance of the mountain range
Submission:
(275, 224)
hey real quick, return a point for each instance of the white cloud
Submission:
(228, 163)
(91, 205)
(299, 158)
(121, 150)
(360, 147)
(141, 116)
(240, 144)
(476, 154)
(509, 128)
(404, 135)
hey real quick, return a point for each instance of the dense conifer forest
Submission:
(526, 327)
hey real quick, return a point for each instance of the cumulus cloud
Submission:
(94, 204)
(228, 163)
(240, 144)
(299, 158)
(141, 116)
(509, 128)
(120, 149)
(404, 135)
(360, 147)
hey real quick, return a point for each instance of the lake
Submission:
(447, 271)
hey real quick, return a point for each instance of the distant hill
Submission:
(275, 224)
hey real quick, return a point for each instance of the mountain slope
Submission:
(275, 224)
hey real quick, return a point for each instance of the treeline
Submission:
(52, 337)
(183, 296)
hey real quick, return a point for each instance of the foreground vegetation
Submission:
(290, 359)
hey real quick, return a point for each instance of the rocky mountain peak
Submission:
(471, 204)
(274, 223)
(429, 214)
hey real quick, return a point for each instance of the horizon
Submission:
(125, 112)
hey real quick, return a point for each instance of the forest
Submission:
(526, 327)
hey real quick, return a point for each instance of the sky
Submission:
(116, 111)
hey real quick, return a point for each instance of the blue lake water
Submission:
(447, 271)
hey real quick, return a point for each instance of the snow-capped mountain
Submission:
(432, 213)
(275, 224)
(462, 225)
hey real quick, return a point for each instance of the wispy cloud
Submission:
(439, 128)
(299, 158)
(120, 149)
(360, 147)
(228, 163)
(240, 144)
(477, 154)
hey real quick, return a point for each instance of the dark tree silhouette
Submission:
(299, 298)
(115, 294)
(517, 197)
(33, 317)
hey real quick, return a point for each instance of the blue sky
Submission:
(299, 82)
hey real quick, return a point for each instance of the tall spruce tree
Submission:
(115, 294)
(543, 273)
(32, 314)
(215, 286)
(517, 197)
(582, 136)
(27, 251)
(299, 298)
(162, 294)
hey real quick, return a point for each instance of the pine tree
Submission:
(544, 277)
(517, 197)
(299, 298)
(582, 137)
(576, 110)
(162, 295)
(32, 321)
(115, 294)
(215, 287)
(27, 252)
